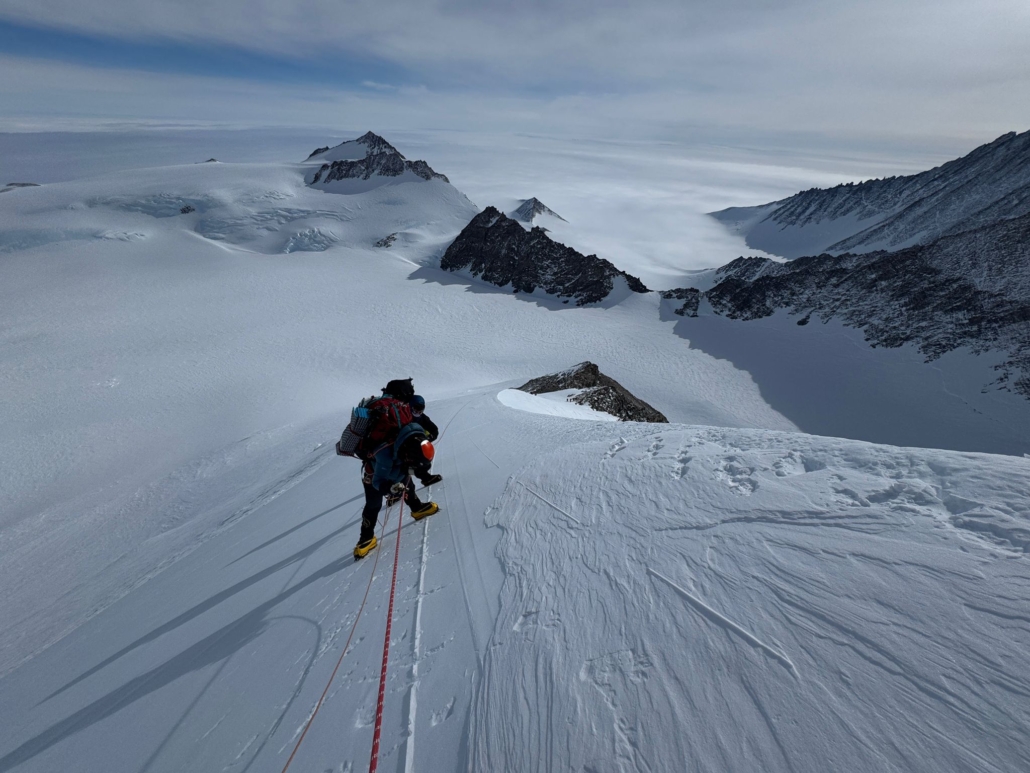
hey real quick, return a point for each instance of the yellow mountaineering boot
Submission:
(427, 509)
(362, 549)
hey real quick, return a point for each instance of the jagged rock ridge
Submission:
(497, 249)
(971, 289)
(989, 184)
(600, 392)
(380, 158)
(529, 209)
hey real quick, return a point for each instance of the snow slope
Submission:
(158, 367)
(716, 594)
(637, 597)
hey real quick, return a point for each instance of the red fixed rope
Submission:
(318, 705)
(374, 761)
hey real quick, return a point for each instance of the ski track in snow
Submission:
(725, 622)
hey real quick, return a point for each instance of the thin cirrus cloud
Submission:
(873, 66)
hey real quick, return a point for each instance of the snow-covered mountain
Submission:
(265, 208)
(367, 157)
(990, 184)
(971, 290)
(939, 330)
(497, 249)
(721, 592)
(530, 209)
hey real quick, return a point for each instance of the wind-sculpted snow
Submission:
(701, 599)
(499, 250)
(990, 184)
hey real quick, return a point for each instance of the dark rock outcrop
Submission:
(500, 251)
(690, 296)
(599, 392)
(12, 186)
(968, 290)
(381, 158)
(386, 241)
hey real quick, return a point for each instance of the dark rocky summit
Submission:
(500, 251)
(381, 158)
(600, 393)
(529, 209)
(967, 290)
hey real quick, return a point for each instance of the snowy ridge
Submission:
(990, 184)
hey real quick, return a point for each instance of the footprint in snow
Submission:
(737, 476)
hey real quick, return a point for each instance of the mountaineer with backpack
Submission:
(383, 435)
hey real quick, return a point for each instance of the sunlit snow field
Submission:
(721, 593)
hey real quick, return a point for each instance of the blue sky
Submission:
(852, 69)
(197, 58)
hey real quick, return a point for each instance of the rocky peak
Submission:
(598, 391)
(531, 208)
(497, 249)
(376, 144)
(377, 157)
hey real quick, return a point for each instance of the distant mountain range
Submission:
(939, 259)
(986, 186)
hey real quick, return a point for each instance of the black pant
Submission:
(422, 471)
(374, 503)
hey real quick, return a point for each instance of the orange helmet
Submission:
(427, 450)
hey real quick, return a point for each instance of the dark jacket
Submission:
(389, 468)
(427, 424)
